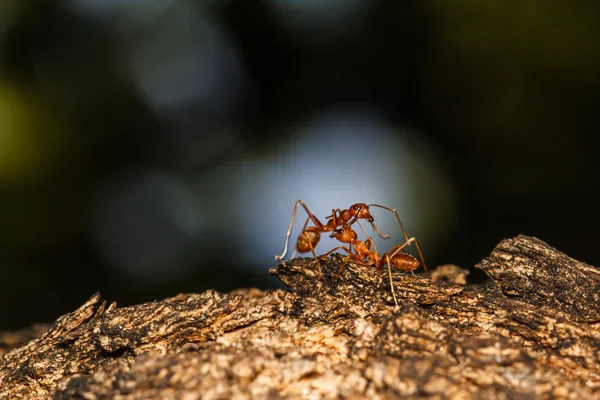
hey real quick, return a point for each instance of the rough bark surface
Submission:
(533, 331)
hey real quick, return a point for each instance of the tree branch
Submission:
(532, 331)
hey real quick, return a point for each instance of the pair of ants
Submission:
(340, 225)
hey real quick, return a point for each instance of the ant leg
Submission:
(387, 258)
(350, 256)
(397, 249)
(420, 254)
(362, 227)
(340, 270)
(397, 217)
(334, 249)
(314, 219)
(335, 217)
(404, 232)
(369, 240)
(316, 259)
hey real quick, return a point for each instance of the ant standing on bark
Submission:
(310, 237)
(365, 256)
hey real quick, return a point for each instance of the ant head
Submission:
(344, 235)
(361, 210)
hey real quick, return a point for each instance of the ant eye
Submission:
(355, 207)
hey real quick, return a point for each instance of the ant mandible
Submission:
(365, 256)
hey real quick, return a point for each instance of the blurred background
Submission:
(154, 147)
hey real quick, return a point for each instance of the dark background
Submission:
(156, 147)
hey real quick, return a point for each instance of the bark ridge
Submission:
(532, 331)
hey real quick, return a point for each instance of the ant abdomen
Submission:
(404, 262)
(307, 240)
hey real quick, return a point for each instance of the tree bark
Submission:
(532, 331)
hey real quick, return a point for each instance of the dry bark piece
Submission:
(526, 334)
(450, 273)
(530, 270)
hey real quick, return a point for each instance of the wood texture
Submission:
(532, 331)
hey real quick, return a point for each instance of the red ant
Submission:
(365, 256)
(310, 237)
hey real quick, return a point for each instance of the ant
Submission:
(365, 256)
(310, 237)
